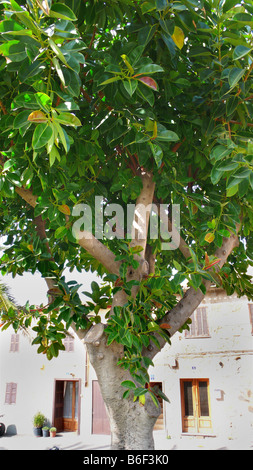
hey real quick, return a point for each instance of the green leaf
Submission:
(251, 180)
(59, 10)
(161, 4)
(154, 398)
(62, 136)
(232, 190)
(240, 51)
(15, 5)
(110, 80)
(57, 51)
(27, 72)
(75, 45)
(227, 165)
(44, 101)
(243, 187)
(224, 233)
(196, 279)
(14, 50)
(162, 395)
(10, 26)
(128, 384)
(146, 94)
(146, 7)
(26, 100)
(21, 119)
(219, 152)
(149, 69)
(243, 18)
(234, 76)
(166, 135)
(53, 155)
(130, 86)
(67, 106)
(170, 44)
(60, 232)
(229, 4)
(41, 136)
(68, 119)
(72, 82)
(157, 153)
(231, 105)
(177, 265)
(145, 34)
(58, 70)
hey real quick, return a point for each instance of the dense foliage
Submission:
(92, 92)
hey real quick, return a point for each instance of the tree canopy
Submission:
(94, 95)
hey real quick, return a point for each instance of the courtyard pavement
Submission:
(73, 441)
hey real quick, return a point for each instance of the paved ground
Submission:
(72, 441)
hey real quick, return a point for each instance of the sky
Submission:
(33, 288)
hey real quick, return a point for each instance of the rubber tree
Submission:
(126, 149)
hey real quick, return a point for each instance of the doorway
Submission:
(66, 414)
(100, 419)
(195, 400)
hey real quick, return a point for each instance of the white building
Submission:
(206, 374)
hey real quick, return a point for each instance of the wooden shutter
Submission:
(251, 316)
(199, 325)
(202, 329)
(14, 346)
(10, 393)
(69, 344)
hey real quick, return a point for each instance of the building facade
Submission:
(207, 374)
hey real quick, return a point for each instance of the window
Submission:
(251, 316)
(199, 325)
(69, 343)
(195, 400)
(10, 393)
(14, 346)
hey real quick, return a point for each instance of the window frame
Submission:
(251, 316)
(11, 393)
(69, 342)
(199, 327)
(14, 346)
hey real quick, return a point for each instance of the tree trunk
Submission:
(131, 423)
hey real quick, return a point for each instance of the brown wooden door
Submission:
(66, 409)
(58, 405)
(100, 420)
(70, 408)
(196, 416)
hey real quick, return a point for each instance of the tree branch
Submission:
(101, 253)
(192, 298)
(142, 212)
(90, 244)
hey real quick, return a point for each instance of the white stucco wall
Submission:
(225, 359)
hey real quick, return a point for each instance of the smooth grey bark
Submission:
(131, 423)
